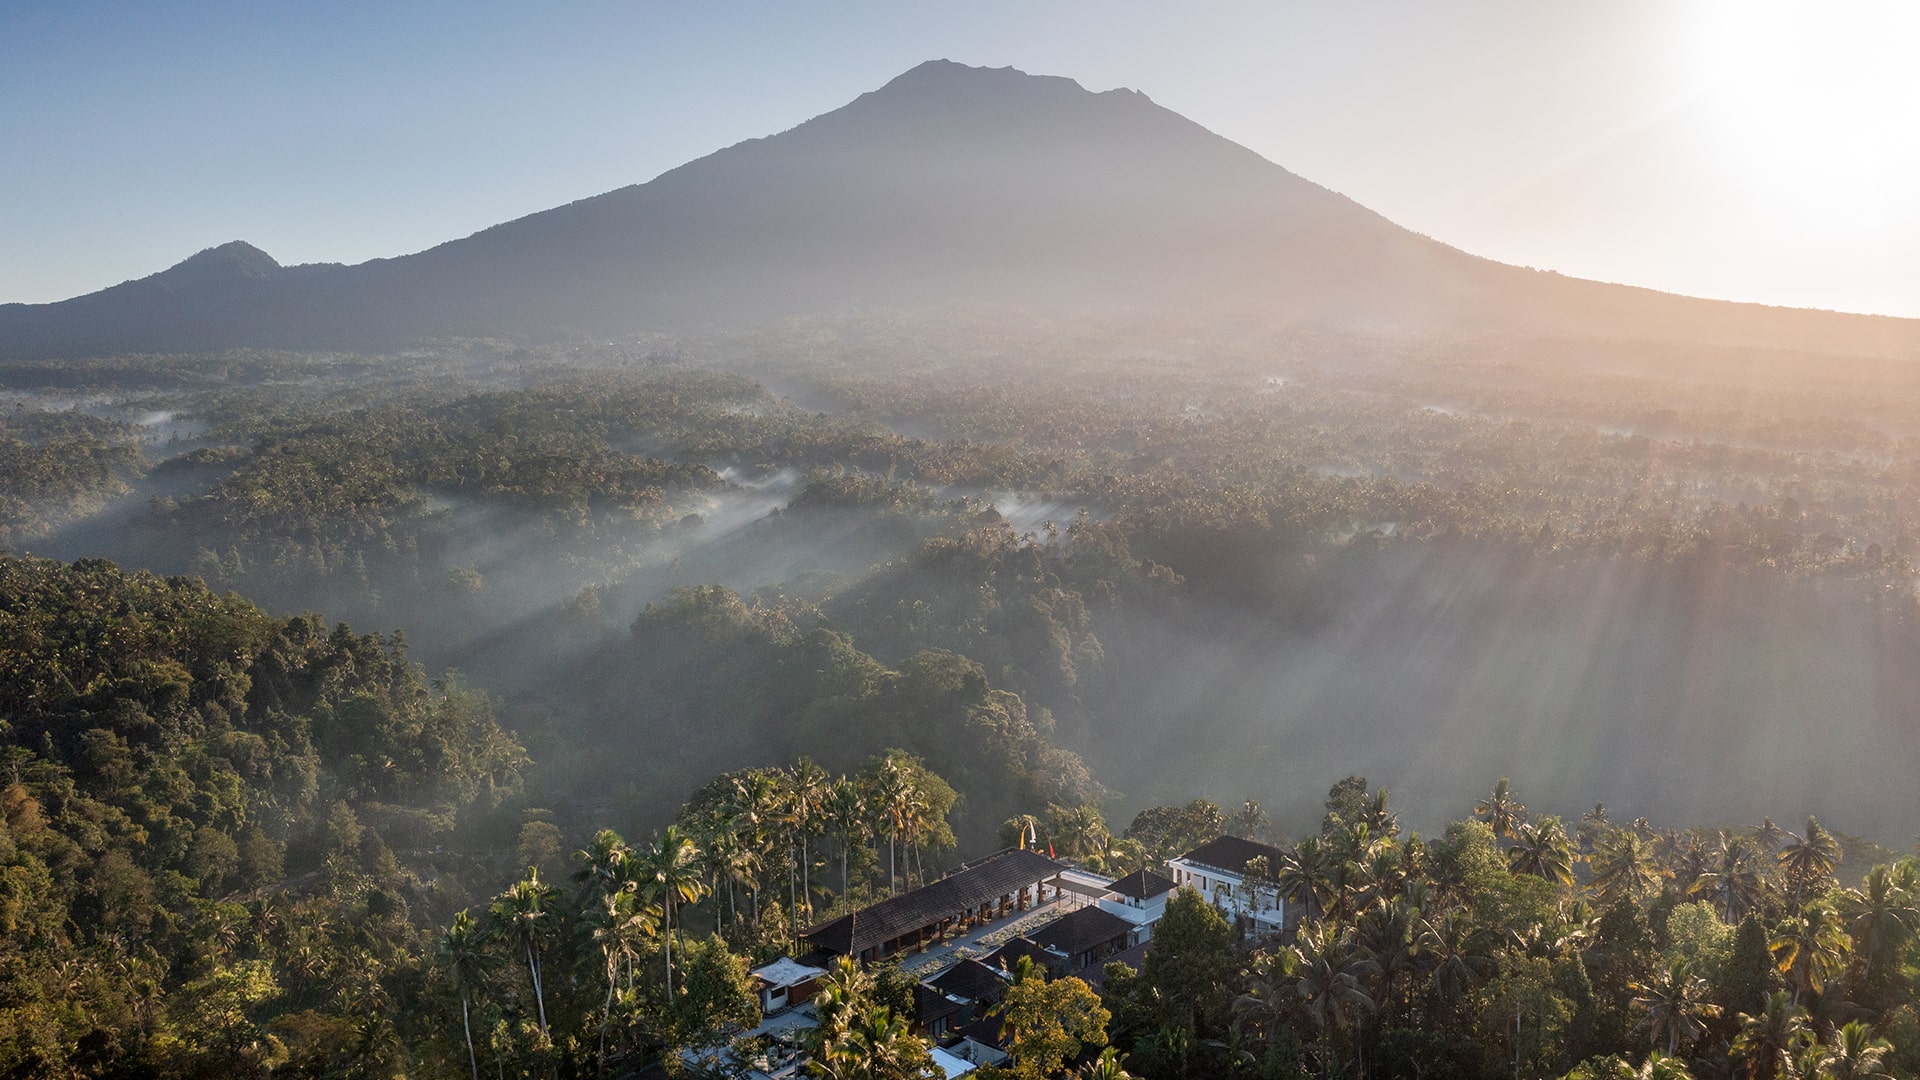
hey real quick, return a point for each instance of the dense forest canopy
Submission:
(1426, 558)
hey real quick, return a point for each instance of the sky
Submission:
(1739, 149)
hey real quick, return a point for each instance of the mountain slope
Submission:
(949, 186)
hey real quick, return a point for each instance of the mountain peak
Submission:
(952, 77)
(236, 258)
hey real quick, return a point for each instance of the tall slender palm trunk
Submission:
(466, 1025)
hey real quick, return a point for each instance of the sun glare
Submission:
(1811, 108)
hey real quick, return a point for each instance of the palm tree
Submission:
(848, 814)
(1855, 1054)
(1809, 859)
(1769, 1043)
(1303, 875)
(524, 913)
(1269, 1001)
(1541, 850)
(1108, 1066)
(618, 925)
(1624, 867)
(1329, 985)
(1676, 1006)
(669, 875)
(1502, 811)
(1882, 915)
(810, 789)
(1811, 948)
(752, 808)
(895, 796)
(1733, 880)
(464, 959)
(1459, 957)
(1768, 835)
(604, 867)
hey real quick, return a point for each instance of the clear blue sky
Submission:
(1749, 150)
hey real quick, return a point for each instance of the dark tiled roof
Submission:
(1096, 976)
(970, 979)
(1142, 885)
(951, 895)
(931, 1005)
(1007, 957)
(1232, 853)
(1078, 931)
(985, 1031)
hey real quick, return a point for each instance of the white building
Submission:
(1218, 870)
(1140, 898)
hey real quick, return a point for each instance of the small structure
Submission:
(1141, 899)
(953, 1064)
(1084, 937)
(1096, 976)
(934, 1013)
(995, 888)
(785, 982)
(1007, 958)
(973, 982)
(1218, 869)
(981, 1043)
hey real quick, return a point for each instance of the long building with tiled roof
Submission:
(990, 889)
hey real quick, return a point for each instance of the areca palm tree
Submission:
(1541, 850)
(1811, 948)
(1808, 860)
(464, 958)
(1676, 1006)
(1501, 810)
(1770, 1042)
(669, 875)
(524, 914)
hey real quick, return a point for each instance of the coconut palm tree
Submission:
(1501, 810)
(1676, 1006)
(524, 915)
(1733, 880)
(1810, 948)
(847, 815)
(1882, 915)
(1459, 957)
(1541, 850)
(1855, 1054)
(1303, 875)
(1808, 860)
(1770, 1042)
(1624, 867)
(1269, 1001)
(1329, 985)
(669, 875)
(466, 962)
(810, 789)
